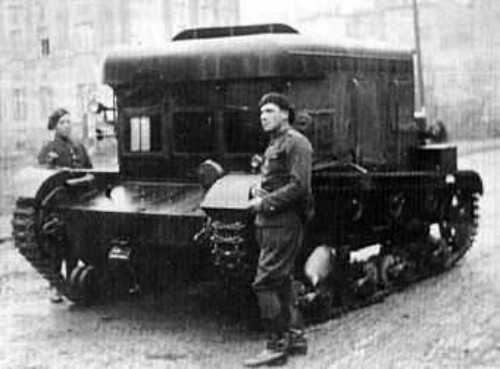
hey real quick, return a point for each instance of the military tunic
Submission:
(286, 178)
(70, 154)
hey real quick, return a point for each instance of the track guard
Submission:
(469, 180)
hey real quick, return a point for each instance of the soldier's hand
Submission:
(255, 204)
(257, 191)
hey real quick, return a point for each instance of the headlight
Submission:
(209, 172)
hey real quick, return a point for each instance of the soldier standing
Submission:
(62, 151)
(280, 204)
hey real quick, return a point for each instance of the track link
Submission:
(467, 218)
(27, 241)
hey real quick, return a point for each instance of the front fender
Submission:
(229, 193)
(470, 181)
(28, 181)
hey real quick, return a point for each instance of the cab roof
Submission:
(237, 55)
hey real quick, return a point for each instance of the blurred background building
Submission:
(51, 54)
(51, 51)
(460, 42)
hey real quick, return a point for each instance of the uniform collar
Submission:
(62, 139)
(279, 133)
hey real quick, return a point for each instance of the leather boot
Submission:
(275, 354)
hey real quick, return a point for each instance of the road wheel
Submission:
(83, 285)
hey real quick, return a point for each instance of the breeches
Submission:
(279, 247)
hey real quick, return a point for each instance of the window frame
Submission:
(124, 119)
(208, 110)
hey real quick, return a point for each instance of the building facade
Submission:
(460, 40)
(51, 54)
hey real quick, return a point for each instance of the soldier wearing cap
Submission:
(280, 204)
(63, 151)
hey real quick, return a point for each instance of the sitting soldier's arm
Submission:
(47, 155)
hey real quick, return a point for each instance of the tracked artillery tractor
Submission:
(389, 208)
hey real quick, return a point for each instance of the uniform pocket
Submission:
(276, 161)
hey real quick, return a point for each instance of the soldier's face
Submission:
(63, 127)
(272, 117)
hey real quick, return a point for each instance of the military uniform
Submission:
(286, 181)
(70, 154)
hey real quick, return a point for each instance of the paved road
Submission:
(452, 321)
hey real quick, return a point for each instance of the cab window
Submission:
(144, 133)
(194, 132)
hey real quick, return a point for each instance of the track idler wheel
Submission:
(459, 230)
(83, 285)
(386, 273)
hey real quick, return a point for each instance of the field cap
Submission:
(281, 101)
(55, 116)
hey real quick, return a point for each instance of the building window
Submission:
(19, 97)
(45, 46)
(194, 132)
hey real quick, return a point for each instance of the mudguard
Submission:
(30, 180)
(469, 180)
(230, 192)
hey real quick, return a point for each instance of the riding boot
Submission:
(292, 320)
(274, 354)
(276, 350)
